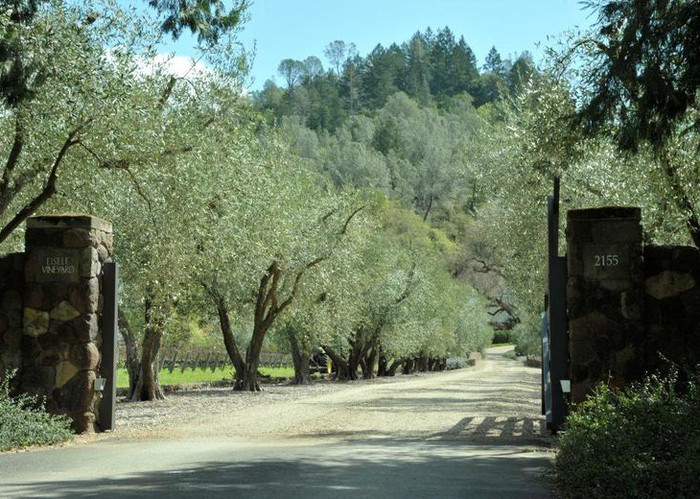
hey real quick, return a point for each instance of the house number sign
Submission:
(606, 261)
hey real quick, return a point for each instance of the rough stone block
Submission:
(103, 253)
(580, 352)
(14, 318)
(685, 258)
(64, 311)
(84, 355)
(579, 391)
(65, 371)
(668, 283)
(78, 393)
(616, 285)
(38, 380)
(691, 302)
(36, 322)
(573, 288)
(84, 329)
(79, 238)
(107, 241)
(579, 373)
(54, 293)
(85, 296)
(30, 348)
(90, 263)
(83, 422)
(595, 369)
(578, 230)
(574, 263)
(590, 326)
(48, 238)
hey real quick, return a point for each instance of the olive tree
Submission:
(137, 142)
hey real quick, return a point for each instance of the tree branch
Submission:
(167, 92)
(263, 296)
(297, 281)
(347, 222)
(49, 188)
(406, 293)
(17, 145)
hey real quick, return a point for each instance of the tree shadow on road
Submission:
(368, 468)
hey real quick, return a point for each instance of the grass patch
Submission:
(199, 376)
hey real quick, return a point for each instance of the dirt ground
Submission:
(498, 400)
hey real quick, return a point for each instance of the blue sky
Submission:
(297, 29)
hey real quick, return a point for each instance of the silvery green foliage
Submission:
(24, 420)
(522, 156)
(418, 155)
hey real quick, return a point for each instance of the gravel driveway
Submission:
(473, 432)
(499, 400)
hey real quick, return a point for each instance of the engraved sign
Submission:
(55, 265)
(601, 261)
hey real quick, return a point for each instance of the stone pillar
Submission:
(672, 306)
(11, 290)
(62, 313)
(605, 295)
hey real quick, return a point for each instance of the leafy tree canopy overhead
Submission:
(208, 19)
(644, 69)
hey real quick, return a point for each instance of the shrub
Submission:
(643, 441)
(501, 337)
(527, 335)
(457, 363)
(24, 421)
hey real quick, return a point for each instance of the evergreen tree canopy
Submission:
(645, 69)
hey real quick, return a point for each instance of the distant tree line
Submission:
(432, 68)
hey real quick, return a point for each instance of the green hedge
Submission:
(640, 442)
(24, 422)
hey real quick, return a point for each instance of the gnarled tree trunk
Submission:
(370, 359)
(267, 309)
(382, 365)
(147, 386)
(133, 360)
(301, 357)
(340, 364)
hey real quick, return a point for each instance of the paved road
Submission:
(468, 433)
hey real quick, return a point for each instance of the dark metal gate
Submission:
(555, 340)
(108, 367)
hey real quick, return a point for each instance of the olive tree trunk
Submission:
(147, 386)
(133, 358)
(301, 357)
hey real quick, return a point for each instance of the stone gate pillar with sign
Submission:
(62, 315)
(605, 296)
